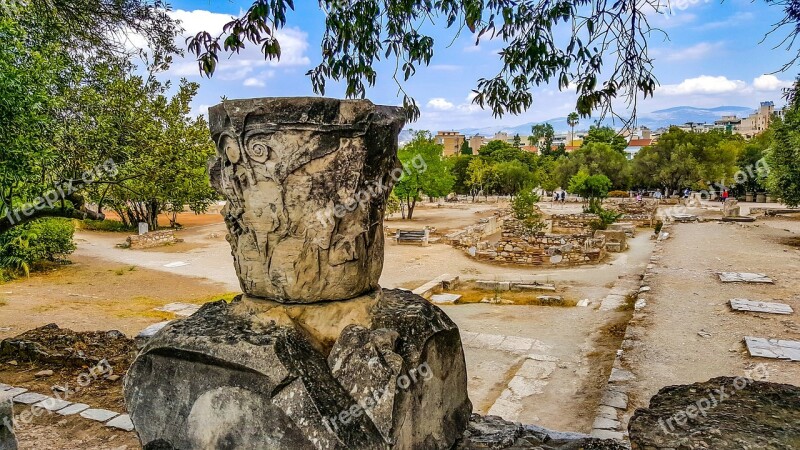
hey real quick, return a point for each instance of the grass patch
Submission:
(103, 225)
(526, 298)
(144, 306)
(630, 303)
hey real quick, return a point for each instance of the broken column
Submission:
(8, 440)
(314, 354)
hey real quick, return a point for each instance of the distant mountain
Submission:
(653, 120)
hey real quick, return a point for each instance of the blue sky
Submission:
(712, 56)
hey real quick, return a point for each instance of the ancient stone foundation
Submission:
(314, 355)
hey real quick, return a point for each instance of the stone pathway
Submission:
(111, 419)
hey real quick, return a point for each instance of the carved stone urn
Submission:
(306, 182)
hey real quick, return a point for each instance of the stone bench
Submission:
(152, 239)
(412, 237)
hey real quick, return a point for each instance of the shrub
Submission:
(526, 211)
(605, 217)
(618, 194)
(41, 240)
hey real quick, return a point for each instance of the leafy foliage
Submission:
(526, 212)
(588, 186)
(358, 34)
(599, 159)
(424, 171)
(783, 157)
(40, 240)
(605, 135)
(465, 148)
(542, 136)
(682, 159)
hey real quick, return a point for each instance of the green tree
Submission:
(457, 166)
(605, 135)
(542, 137)
(465, 148)
(596, 158)
(482, 177)
(681, 159)
(590, 187)
(512, 176)
(526, 212)
(783, 157)
(572, 121)
(517, 142)
(424, 172)
(493, 146)
(358, 34)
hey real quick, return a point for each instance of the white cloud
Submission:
(440, 104)
(770, 83)
(703, 84)
(254, 82)
(293, 41)
(697, 51)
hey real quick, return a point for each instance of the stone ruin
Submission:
(8, 440)
(314, 354)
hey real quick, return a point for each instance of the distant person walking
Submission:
(725, 195)
(563, 198)
(657, 196)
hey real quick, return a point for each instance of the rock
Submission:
(721, 414)
(113, 377)
(492, 432)
(44, 373)
(8, 441)
(13, 362)
(306, 181)
(363, 373)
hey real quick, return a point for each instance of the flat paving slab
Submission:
(122, 422)
(773, 348)
(73, 409)
(52, 404)
(4, 387)
(180, 309)
(743, 304)
(744, 277)
(445, 299)
(13, 392)
(30, 398)
(100, 415)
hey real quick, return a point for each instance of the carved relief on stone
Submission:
(304, 214)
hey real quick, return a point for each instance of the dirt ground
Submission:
(687, 297)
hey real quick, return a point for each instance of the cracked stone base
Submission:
(385, 370)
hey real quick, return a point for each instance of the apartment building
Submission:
(451, 142)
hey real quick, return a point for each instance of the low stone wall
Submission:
(152, 239)
(516, 247)
(640, 220)
(572, 223)
(474, 234)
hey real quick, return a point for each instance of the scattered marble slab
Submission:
(14, 391)
(100, 415)
(583, 303)
(175, 264)
(744, 277)
(29, 398)
(614, 399)
(151, 330)
(122, 422)
(683, 218)
(743, 304)
(444, 299)
(52, 404)
(180, 309)
(73, 409)
(773, 348)
(5, 387)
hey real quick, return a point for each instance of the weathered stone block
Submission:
(306, 181)
(723, 413)
(384, 370)
(8, 441)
